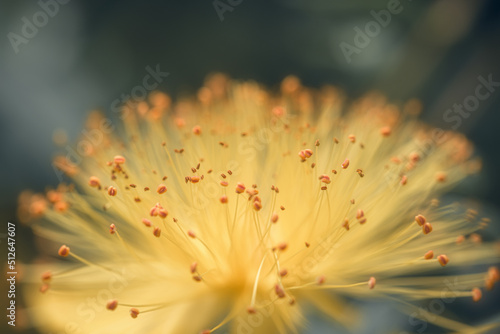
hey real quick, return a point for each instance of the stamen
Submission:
(429, 255)
(240, 188)
(119, 160)
(476, 294)
(443, 260)
(427, 228)
(193, 267)
(279, 291)
(112, 229)
(161, 189)
(46, 276)
(385, 131)
(134, 312)
(223, 199)
(146, 222)
(95, 182)
(157, 232)
(112, 191)
(63, 251)
(420, 220)
(197, 130)
(371, 282)
(345, 164)
(112, 304)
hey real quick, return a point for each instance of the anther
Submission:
(197, 130)
(371, 282)
(476, 294)
(385, 131)
(164, 178)
(321, 279)
(251, 310)
(443, 260)
(195, 179)
(282, 246)
(441, 177)
(197, 278)
(420, 220)
(224, 183)
(119, 160)
(193, 169)
(193, 267)
(44, 288)
(282, 208)
(146, 222)
(157, 231)
(112, 304)
(112, 191)
(476, 238)
(345, 164)
(360, 214)
(283, 272)
(352, 138)
(307, 244)
(198, 166)
(191, 234)
(345, 224)
(94, 182)
(223, 199)
(404, 180)
(161, 189)
(360, 172)
(308, 153)
(334, 171)
(279, 291)
(302, 155)
(414, 157)
(274, 217)
(134, 312)
(429, 255)
(325, 179)
(112, 228)
(63, 251)
(230, 172)
(46, 276)
(335, 140)
(240, 187)
(427, 228)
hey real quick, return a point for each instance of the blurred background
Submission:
(61, 59)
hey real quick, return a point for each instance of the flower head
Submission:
(240, 207)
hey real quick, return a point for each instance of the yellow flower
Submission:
(240, 208)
